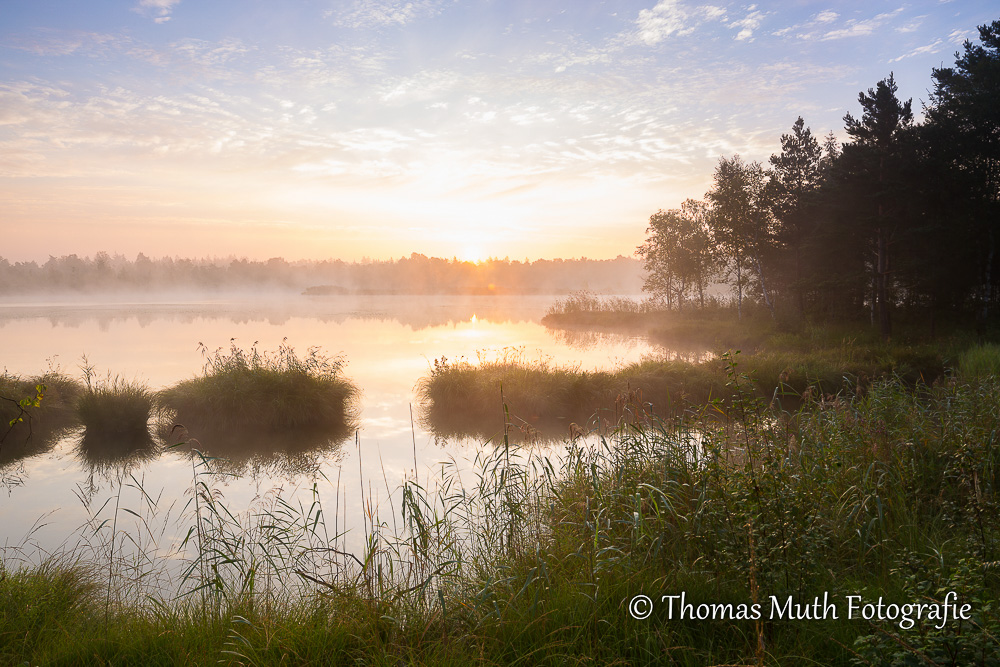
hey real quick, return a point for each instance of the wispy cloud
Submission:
(49, 42)
(861, 27)
(913, 25)
(820, 26)
(160, 10)
(672, 17)
(959, 36)
(375, 13)
(748, 23)
(934, 47)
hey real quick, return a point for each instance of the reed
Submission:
(465, 398)
(461, 398)
(248, 391)
(889, 492)
(980, 361)
(115, 414)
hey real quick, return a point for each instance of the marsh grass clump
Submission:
(34, 412)
(585, 308)
(245, 392)
(115, 415)
(462, 398)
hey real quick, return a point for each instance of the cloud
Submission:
(748, 23)
(960, 36)
(819, 27)
(913, 25)
(671, 17)
(861, 28)
(49, 42)
(376, 13)
(929, 48)
(159, 9)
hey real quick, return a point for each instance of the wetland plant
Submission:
(247, 393)
(883, 494)
(33, 412)
(115, 415)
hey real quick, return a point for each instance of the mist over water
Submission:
(387, 342)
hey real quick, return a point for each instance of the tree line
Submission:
(901, 218)
(416, 274)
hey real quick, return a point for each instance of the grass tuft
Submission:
(115, 415)
(246, 393)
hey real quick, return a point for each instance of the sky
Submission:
(360, 129)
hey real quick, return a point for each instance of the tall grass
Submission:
(980, 361)
(461, 398)
(585, 301)
(890, 492)
(247, 393)
(115, 414)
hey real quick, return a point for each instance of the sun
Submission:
(471, 253)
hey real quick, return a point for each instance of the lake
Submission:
(59, 499)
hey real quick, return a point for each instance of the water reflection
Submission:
(253, 453)
(583, 339)
(115, 454)
(15, 451)
(38, 430)
(415, 312)
(388, 344)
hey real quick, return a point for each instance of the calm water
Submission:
(388, 342)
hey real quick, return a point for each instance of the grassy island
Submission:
(249, 394)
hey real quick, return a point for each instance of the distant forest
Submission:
(903, 217)
(415, 274)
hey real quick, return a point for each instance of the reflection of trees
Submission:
(669, 348)
(415, 312)
(587, 339)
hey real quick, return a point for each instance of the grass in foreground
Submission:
(888, 494)
(258, 395)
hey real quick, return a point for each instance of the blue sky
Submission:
(446, 127)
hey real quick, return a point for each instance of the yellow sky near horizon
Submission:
(378, 128)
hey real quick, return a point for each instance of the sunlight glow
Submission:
(471, 254)
(207, 135)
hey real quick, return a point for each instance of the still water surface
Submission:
(388, 343)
